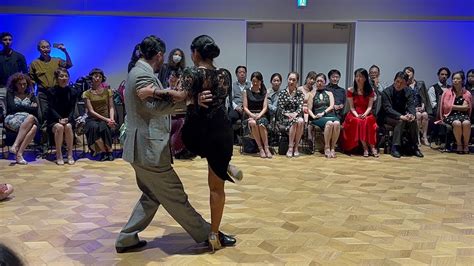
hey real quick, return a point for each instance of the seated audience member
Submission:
(374, 79)
(470, 81)
(101, 115)
(339, 93)
(360, 124)
(62, 102)
(422, 103)
(5, 191)
(434, 93)
(42, 72)
(378, 87)
(255, 107)
(455, 110)
(272, 95)
(399, 112)
(290, 114)
(322, 115)
(176, 63)
(307, 89)
(178, 149)
(22, 110)
(470, 86)
(11, 62)
(235, 113)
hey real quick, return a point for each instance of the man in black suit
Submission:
(399, 112)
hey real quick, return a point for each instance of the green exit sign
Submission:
(302, 3)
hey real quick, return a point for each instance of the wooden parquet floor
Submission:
(299, 211)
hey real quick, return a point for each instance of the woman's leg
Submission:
(58, 131)
(69, 137)
(256, 136)
(327, 138)
(457, 131)
(217, 201)
(27, 140)
(420, 125)
(336, 130)
(424, 128)
(291, 139)
(466, 133)
(22, 131)
(365, 148)
(298, 135)
(264, 135)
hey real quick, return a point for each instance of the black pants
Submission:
(42, 117)
(234, 116)
(400, 127)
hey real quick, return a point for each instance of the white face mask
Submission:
(176, 58)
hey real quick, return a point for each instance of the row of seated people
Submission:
(41, 72)
(401, 106)
(23, 115)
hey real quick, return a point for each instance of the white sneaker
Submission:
(235, 172)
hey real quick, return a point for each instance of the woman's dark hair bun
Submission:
(206, 47)
(210, 50)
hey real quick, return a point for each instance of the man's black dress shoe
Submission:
(419, 154)
(395, 154)
(226, 240)
(140, 244)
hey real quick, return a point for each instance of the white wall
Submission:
(269, 50)
(424, 45)
(107, 41)
(325, 48)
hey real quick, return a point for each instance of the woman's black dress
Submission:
(61, 104)
(207, 132)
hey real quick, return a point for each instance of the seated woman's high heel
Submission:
(70, 160)
(466, 149)
(366, 153)
(268, 152)
(296, 152)
(333, 153)
(327, 153)
(289, 153)
(214, 243)
(262, 153)
(21, 160)
(459, 149)
(375, 153)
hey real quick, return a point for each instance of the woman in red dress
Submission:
(360, 124)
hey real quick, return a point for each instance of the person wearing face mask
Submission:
(176, 63)
(62, 101)
(101, 113)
